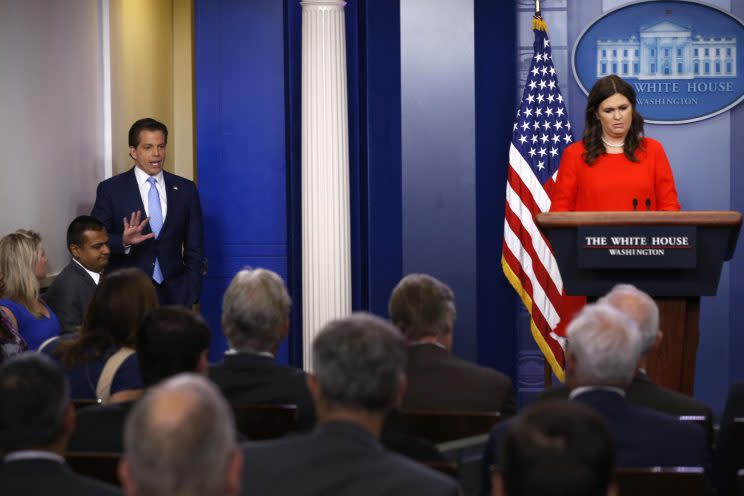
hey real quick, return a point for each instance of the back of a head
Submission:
(605, 346)
(358, 362)
(420, 306)
(640, 307)
(557, 448)
(171, 340)
(34, 396)
(77, 228)
(179, 439)
(255, 310)
(19, 252)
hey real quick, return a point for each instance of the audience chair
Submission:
(446, 468)
(439, 427)
(257, 422)
(100, 466)
(80, 403)
(677, 481)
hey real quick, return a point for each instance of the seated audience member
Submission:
(603, 349)
(36, 419)
(642, 309)
(255, 317)
(180, 441)
(72, 290)
(171, 340)
(23, 262)
(725, 464)
(556, 448)
(359, 365)
(423, 308)
(11, 342)
(100, 361)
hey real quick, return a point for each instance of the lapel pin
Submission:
(175, 187)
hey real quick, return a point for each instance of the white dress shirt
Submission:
(95, 275)
(144, 189)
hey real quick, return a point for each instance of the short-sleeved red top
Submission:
(613, 181)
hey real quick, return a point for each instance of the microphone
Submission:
(648, 204)
(635, 203)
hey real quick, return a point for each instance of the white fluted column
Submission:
(326, 266)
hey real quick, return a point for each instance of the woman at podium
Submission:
(614, 167)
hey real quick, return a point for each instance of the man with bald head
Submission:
(642, 309)
(180, 440)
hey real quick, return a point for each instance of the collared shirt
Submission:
(233, 351)
(427, 341)
(144, 189)
(585, 389)
(95, 275)
(32, 455)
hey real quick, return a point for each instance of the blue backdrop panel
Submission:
(241, 146)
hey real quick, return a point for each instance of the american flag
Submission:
(541, 132)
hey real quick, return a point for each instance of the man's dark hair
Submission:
(146, 124)
(170, 341)
(557, 448)
(79, 226)
(34, 396)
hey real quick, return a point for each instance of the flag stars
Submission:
(558, 125)
(551, 98)
(540, 98)
(530, 98)
(540, 165)
(546, 125)
(533, 140)
(535, 125)
(528, 112)
(559, 112)
(567, 138)
(549, 111)
(559, 98)
(535, 71)
(524, 126)
(555, 139)
(543, 152)
(544, 138)
(544, 70)
(522, 139)
(542, 84)
(546, 43)
(538, 112)
(551, 84)
(552, 71)
(554, 152)
(532, 84)
(531, 152)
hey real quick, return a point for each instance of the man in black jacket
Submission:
(36, 419)
(255, 317)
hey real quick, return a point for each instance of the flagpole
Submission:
(537, 8)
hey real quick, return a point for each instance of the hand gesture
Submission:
(132, 234)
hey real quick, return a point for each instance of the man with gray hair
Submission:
(359, 365)
(603, 349)
(423, 308)
(180, 441)
(642, 309)
(255, 318)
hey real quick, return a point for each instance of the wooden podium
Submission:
(676, 257)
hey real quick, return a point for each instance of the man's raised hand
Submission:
(132, 234)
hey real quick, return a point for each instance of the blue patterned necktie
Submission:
(156, 222)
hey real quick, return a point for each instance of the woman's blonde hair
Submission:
(19, 253)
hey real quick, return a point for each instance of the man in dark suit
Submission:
(72, 290)
(36, 419)
(642, 309)
(180, 440)
(726, 459)
(423, 308)
(255, 318)
(171, 247)
(603, 349)
(556, 448)
(359, 373)
(171, 340)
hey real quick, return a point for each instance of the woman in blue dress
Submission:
(23, 263)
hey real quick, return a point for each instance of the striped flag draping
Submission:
(541, 131)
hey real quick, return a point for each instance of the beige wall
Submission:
(151, 76)
(51, 116)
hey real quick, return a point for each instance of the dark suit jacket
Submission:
(100, 428)
(645, 393)
(42, 477)
(643, 437)
(724, 460)
(70, 294)
(338, 458)
(438, 380)
(180, 245)
(247, 378)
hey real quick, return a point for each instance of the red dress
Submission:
(613, 181)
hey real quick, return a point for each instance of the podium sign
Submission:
(636, 247)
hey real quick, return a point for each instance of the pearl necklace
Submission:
(613, 145)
